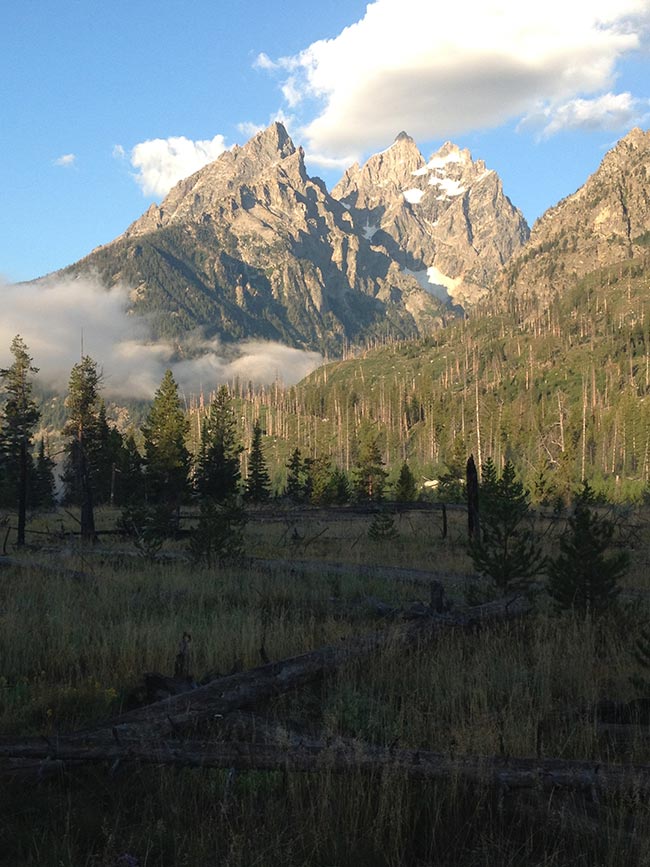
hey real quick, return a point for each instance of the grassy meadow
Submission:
(74, 646)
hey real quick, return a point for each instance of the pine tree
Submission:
(582, 577)
(258, 482)
(296, 477)
(129, 481)
(82, 404)
(219, 534)
(382, 528)
(43, 487)
(167, 459)
(452, 481)
(369, 472)
(340, 486)
(20, 415)
(406, 490)
(505, 550)
(104, 447)
(217, 468)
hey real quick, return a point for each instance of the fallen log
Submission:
(222, 696)
(398, 574)
(343, 757)
(248, 689)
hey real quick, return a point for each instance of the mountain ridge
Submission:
(251, 246)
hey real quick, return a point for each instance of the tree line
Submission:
(153, 471)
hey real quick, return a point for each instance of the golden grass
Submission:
(71, 648)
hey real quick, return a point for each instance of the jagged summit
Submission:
(605, 221)
(209, 188)
(445, 220)
(251, 246)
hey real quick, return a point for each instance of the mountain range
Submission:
(251, 246)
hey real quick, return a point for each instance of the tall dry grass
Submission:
(71, 648)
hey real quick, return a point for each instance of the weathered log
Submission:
(343, 757)
(250, 688)
(421, 577)
(224, 695)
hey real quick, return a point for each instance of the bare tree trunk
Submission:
(473, 527)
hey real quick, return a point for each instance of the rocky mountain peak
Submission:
(206, 192)
(606, 220)
(269, 145)
(447, 221)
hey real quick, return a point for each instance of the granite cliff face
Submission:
(606, 221)
(447, 222)
(251, 246)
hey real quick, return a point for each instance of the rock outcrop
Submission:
(606, 221)
(446, 222)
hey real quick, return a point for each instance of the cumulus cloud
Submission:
(611, 111)
(161, 163)
(65, 160)
(133, 363)
(416, 65)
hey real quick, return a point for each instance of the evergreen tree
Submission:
(218, 537)
(340, 487)
(20, 415)
(82, 403)
(321, 488)
(582, 576)
(382, 528)
(258, 482)
(505, 550)
(43, 486)
(104, 449)
(369, 472)
(452, 480)
(406, 490)
(129, 481)
(217, 467)
(167, 459)
(296, 476)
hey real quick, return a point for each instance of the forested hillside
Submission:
(561, 389)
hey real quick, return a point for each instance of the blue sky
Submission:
(102, 104)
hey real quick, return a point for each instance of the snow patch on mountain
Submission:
(369, 230)
(449, 188)
(433, 281)
(413, 196)
(439, 162)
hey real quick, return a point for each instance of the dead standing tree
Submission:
(471, 475)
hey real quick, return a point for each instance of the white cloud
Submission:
(118, 152)
(263, 61)
(249, 129)
(291, 92)
(327, 162)
(133, 363)
(611, 111)
(65, 160)
(161, 163)
(415, 65)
